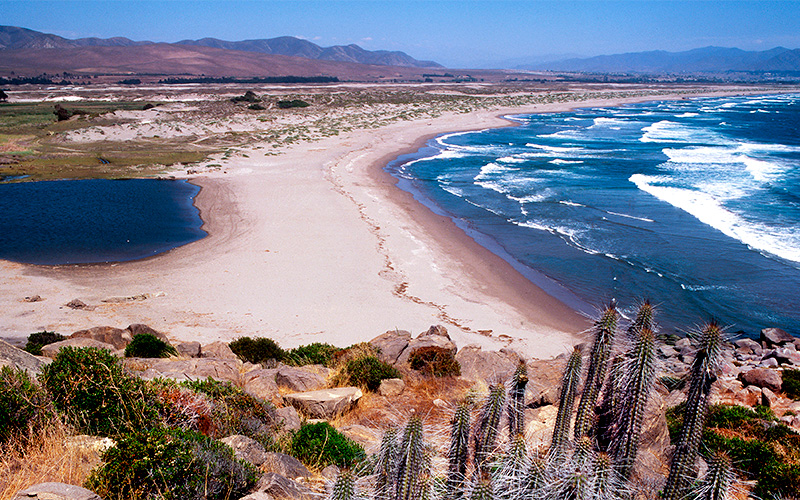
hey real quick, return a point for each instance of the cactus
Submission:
(413, 463)
(458, 452)
(608, 409)
(635, 387)
(482, 490)
(569, 387)
(605, 330)
(488, 426)
(702, 376)
(516, 401)
(345, 487)
(717, 484)
(510, 475)
(385, 463)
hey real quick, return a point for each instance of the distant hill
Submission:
(703, 60)
(15, 38)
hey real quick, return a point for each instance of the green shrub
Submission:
(147, 345)
(257, 350)
(294, 103)
(791, 384)
(256, 107)
(248, 96)
(435, 361)
(24, 407)
(171, 464)
(40, 339)
(312, 354)
(367, 372)
(90, 387)
(319, 445)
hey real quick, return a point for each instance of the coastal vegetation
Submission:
(40, 339)
(147, 345)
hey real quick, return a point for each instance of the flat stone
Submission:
(217, 350)
(775, 336)
(391, 344)
(391, 387)
(684, 342)
(115, 336)
(258, 495)
(667, 351)
(51, 350)
(487, 367)
(188, 349)
(246, 449)
(56, 491)
(298, 379)
(285, 465)
(325, 403)
(17, 358)
(225, 370)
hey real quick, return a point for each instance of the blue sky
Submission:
(457, 33)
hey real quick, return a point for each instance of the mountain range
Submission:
(16, 38)
(702, 60)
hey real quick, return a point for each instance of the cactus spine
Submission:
(385, 466)
(345, 487)
(458, 452)
(569, 387)
(717, 484)
(702, 376)
(413, 464)
(605, 330)
(488, 425)
(516, 401)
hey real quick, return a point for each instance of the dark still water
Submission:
(96, 220)
(693, 204)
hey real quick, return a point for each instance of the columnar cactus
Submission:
(345, 487)
(702, 376)
(413, 464)
(509, 477)
(516, 401)
(605, 331)
(488, 426)
(385, 466)
(717, 484)
(569, 387)
(458, 453)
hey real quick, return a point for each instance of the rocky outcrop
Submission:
(776, 336)
(299, 379)
(218, 350)
(17, 358)
(225, 370)
(478, 365)
(285, 465)
(279, 487)
(762, 377)
(368, 438)
(108, 334)
(188, 349)
(51, 350)
(544, 381)
(138, 328)
(391, 344)
(260, 383)
(246, 449)
(56, 491)
(326, 403)
(289, 418)
(435, 337)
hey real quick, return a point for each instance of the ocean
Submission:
(692, 204)
(97, 220)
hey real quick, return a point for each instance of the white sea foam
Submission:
(643, 219)
(556, 149)
(511, 159)
(559, 161)
(532, 198)
(686, 115)
(571, 203)
(562, 134)
(492, 168)
(782, 242)
(460, 193)
(612, 123)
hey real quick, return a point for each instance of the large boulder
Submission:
(762, 377)
(391, 344)
(326, 403)
(436, 337)
(56, 491)
(491, 367)
(775, 336)
(138, 329)
(188, 349)
(17, 358)
(298, 379)
(116, 337)
(285, 465)
(260, 383)
(224, 370)
(278, 487)
(246, 449)
(544, 381)
(217, 350)
(51, 350)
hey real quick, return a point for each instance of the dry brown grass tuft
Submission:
(47, 457)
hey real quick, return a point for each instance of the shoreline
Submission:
(317, 244)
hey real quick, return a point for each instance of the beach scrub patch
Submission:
(147, 345)
(761, 448)
(359, 366)
(169, 464)
(257, 350)
(25, 408)
(435, 361)
(90, 387)
(320, 444)
(791, 384)
(248, 96)
(293, 103)
(40, 339)
(317, 353)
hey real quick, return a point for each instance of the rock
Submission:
(768, 363)
(652, 460)
(298, 379)
(426, 340)
(50, 350)
(768, 398)
(363, 435)
(289, 417)
(188, 349)
(775, 336)
(726, 390)
(785, 355)
(33, 298)
(747, 342)
(246, 449)
(17, 358)
(217, 350)
(326, 403)
(391, 387)
(667, 351)
(749, 396)
(56, 491)
(762, 377)
(138, 329)
(437, 330)
(76, 304)
(278, 486)
(544, 381)
(108, 334)
(330, 472)
(539, 425)
(285, 465)
(261, 383)
(482, 366)
(391, 344)
(226, 370)
(684, 342)
(258, 495)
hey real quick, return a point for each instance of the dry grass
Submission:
(47, 457)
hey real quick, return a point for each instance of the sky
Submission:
(455, 33)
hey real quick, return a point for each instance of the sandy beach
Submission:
(315, 244)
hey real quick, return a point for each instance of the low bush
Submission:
(40, 339)
(90, 387)
(171, 464)
(367, 372)
(256, 107)
(312, 354)
(791, 383)
(248, 96)
(24, 406)
(294, 103)
(435, 361)
(319, 445)
(147, 345)
(257, 350)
